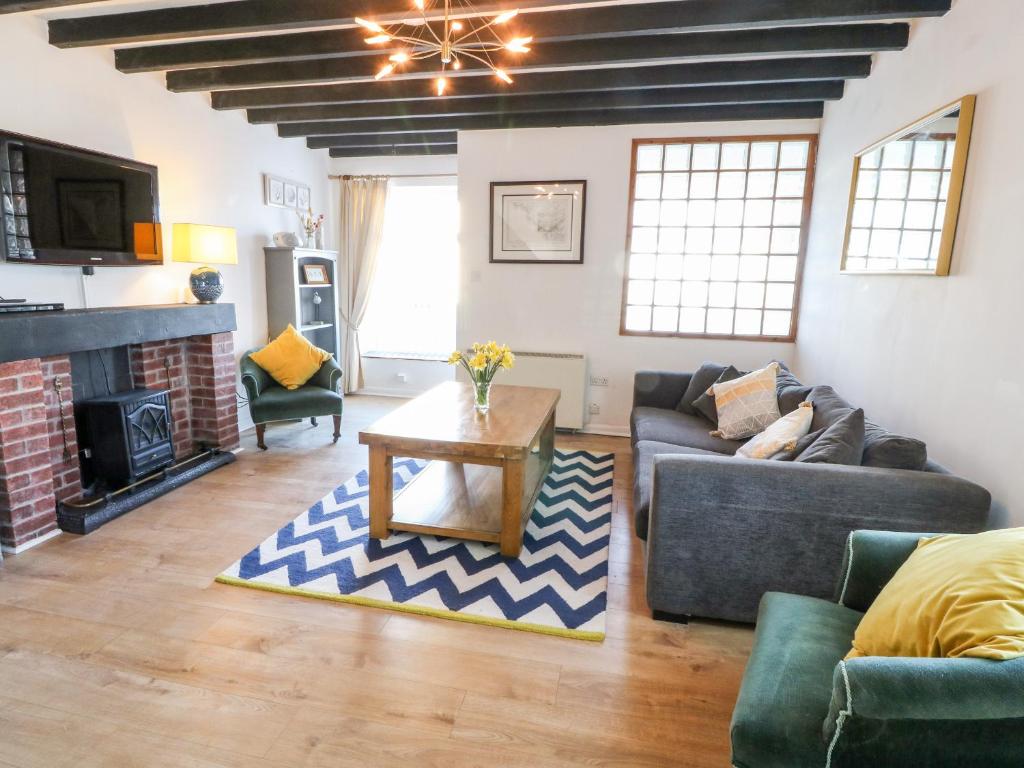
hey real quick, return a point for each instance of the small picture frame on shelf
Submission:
(316, 274)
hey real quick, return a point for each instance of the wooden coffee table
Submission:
(486, 470)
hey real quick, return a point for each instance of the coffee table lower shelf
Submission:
(448, 499)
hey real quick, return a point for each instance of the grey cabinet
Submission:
(292, 299)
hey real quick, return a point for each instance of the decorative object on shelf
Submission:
(905, 196)
(311, 226)
(284, 193)
(205, 245)
(482, 366)
(537, 222)
(316, 274)
(437, 33)
(286, 240)
(317, 301)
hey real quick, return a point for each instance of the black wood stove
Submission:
(129, 435)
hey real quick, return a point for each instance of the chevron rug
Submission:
(557, 586)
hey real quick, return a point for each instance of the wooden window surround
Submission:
(716, 236)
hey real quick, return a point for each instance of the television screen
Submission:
(63, 205)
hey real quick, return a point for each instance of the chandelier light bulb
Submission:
(451, 41)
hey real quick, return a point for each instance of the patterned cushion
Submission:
(790, 453)
(747, 405)
(779, 436)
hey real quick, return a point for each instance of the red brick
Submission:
(19, 367)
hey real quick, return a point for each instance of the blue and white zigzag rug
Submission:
(558, 585)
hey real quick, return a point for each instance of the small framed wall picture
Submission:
(302, 199)
(273, 190)
(537, 222)
(291, 194)
(316, 274)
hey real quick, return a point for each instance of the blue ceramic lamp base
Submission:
(207, 284)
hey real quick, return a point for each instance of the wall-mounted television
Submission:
(69, 206)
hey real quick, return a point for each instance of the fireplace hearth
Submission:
(98, 445)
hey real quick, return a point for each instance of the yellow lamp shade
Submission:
(204, 244)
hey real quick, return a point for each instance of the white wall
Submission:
(210, 167)
(938, 358)
(385, 376)
(575, 308)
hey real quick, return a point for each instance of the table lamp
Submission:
(206, 245)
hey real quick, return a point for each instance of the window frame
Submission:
(808, 198)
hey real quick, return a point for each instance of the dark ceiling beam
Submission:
(600, 80)
(396, 139)
(324, 134)
(17, 6)
(411, 149)
(850, 38)
(515, 103)
(548, 26)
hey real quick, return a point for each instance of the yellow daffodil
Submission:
(507, 359)
(455, 358)
(479, 361)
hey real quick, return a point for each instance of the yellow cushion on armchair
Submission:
(290, 359)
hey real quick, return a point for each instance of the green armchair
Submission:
(269, 401)
(801, 706)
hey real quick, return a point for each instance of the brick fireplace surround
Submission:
(37, 468)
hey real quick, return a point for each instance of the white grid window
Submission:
(716, 240)
(900, 205)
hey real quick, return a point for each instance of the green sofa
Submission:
(269, 401)
(802, 706)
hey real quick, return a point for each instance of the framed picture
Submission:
(273, 191)
(316, 274)
(537, 222)
(302, 199)
(291, 194)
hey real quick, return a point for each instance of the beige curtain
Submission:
(362, 225)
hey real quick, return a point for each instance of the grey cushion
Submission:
(840, 443)
(705, 404)
(829, 407)
(702, 378)
(789, 389)
(802, 445)
(888, 451)
(665, 426)
(643, 458)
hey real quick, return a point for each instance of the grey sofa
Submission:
(722, 530)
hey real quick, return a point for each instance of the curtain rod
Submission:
(398, 176)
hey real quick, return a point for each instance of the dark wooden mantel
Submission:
(27, 335)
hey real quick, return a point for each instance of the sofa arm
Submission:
(328, 377)
(254, 379)
(870, 560)
(943, 712)
(659, 389)
(725, 530)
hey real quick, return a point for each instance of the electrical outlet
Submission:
(402, 377)
(599, 381)
(594, 409)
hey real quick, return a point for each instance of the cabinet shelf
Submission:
(315, 285)
(315, 326)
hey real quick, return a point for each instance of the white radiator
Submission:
(567, 373)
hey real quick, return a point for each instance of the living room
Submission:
(572, 387)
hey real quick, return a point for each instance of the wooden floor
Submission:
(117, 649)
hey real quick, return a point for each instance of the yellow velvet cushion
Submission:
(956, 595)
(290, 359)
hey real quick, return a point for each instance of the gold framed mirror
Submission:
(905, 196)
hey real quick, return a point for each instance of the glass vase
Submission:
(483, 396)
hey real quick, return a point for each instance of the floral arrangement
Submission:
(482, 365)
(310, 223)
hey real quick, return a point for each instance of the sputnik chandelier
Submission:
(449, 39)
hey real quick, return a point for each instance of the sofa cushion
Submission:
(701, 379)
(888, 451)
(705, 404)
(643, 476)
(802, 445)
(789, 389)
(280, 404)
(787, 686)
(785, 433)
(840, 443)
(665, 426)
(747, 405)
(829, 407)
